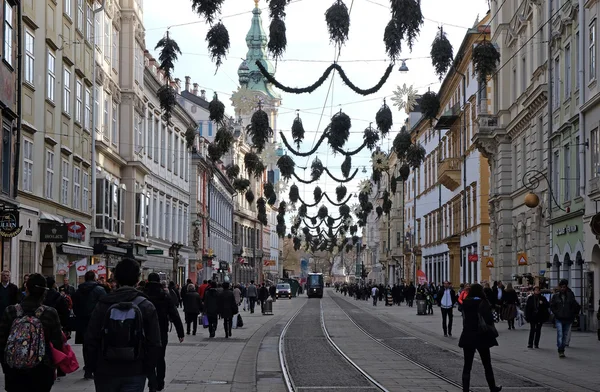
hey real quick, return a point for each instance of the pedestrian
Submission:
(123, 338)
(237, 293)
(67, 288)
(202, 288)
(509, 305)
(35, 370)
(536, 314)
(564, 308)
(86, 297)
(273, 291)
(477, 337)
(446, 300)
(227, 308)
(174, 293)
(9, 292)
(211, 308)
(251, 293)
(22, 289)
(192, 305)
(167, 313)
(461, 297)
(375, 295)
(263, 294)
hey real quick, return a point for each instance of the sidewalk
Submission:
(248, 361)
(577, 372)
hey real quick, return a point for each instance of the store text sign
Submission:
(566, 230)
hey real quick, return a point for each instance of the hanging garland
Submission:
(253, 164)
(340, 192)
(441, 53)
(346, 166)
(302, 154)
(232, 171)
(216, 109)
(167, 99)
(384, 119)
(392, 38)
(308, 182)
(249, 196)
(293, 90)
(404, 172)
(218, 43)
(207, 8)
(318, 194)
(485, 59)
(259, 129)
(334, 203)
(353, 152)
(224, 139)
(277, 38)
(338, 23)
(269, 191)
(241, 184)
(415, 155)
(339, 130)
(190, 136)
(371, 137)
(409, 19)
(430, 105)
(294, 194)
(286, 166)
(214, 152)
(169, 51)
(316, 169)
(297, 131)
(262, 211)
(402, 143)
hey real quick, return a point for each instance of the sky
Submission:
(309, 52)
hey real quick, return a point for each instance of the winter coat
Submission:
(165, 309)
(237, 293)
(263, 293)
(86, 297)
(192, 303)
(211, 307)
(536, 309)
(470, 336)
(491, 296)
(251, 291)
(95, 361)
(227, 305)
(509, 304)
(564, 306)
(58, 302)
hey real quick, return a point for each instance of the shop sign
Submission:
(223, 266)
(269, 263)
(108, 241)
(567, 230)
(76, 230)
(9, 222)
(473, 258)
(126, 245)
(158, 252)
(53, 232)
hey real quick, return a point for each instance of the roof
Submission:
(195, 99)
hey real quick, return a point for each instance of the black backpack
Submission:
(123, 332)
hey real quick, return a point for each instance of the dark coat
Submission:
(192, 302)
(13, 296)
(263, 293)
(510, 297)
(491, 296)
(86, 297)
(227, 305)
(70, 291)
(564, 306)
(95, 361)
(440, 295)
(58, 302)
(536, 309)
(470, 336)
(165, 309)
(211, 306)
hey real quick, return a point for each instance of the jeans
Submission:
(375, 301)
(191, 319)
(535, 332)
(447, 314)
(120, 384)
(213, 321)
(156, 378)
(562, 332)
(486, 360)
(252, 301)
(227, 324)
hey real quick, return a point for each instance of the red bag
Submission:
(64, 360)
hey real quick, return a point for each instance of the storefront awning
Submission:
(51, 217)
(76, 249)
(104, 248)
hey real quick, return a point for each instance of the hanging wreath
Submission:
(167, 99)
(169, 51)
(268, 190)
(207, 8)
(430, 105)
(249, 196)
(277, 37)
(190, 136)
(402, 143)
(253, 164)
(380, 161)
(340, 192)
(371, 137)
(384, 119)
(218, 43)
(409, 19)
(216, 109)
(404, 172)
(346, 166)
(339, 130)
(241, 184)
(297, 131)
(344, 210)
(294, 193)
(316, 169)
(232, 171)
(441, 53)
(338, 22)
(214, 152)
(322, 213)
(286, 167)
(259, 129)
(485, 59)
(318, 194)
(416, 155)
(379, 211)
(224, 139)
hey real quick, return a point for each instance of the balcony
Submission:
(487, 122)
(449, 173)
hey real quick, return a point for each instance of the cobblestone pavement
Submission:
(577, 372)
(248, 361)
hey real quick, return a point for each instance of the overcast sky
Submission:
(308, 53)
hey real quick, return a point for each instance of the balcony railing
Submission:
(449, 173)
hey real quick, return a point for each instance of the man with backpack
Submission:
(123, 338)
(84, 301)
(167, 312)
(33, 326)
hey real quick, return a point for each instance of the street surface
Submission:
(397, 349)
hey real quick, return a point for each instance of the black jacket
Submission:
(470, 337)
(192, 302)
(166, 310)
(55, 300)
(211, 306)
(263, 293)
(14, 296)
(85, 299)
(440, 295)
(510, 297)
(536, 309)
(70, 291)
(227, 305)
(564, 306)
(491, 295)
(93, 339)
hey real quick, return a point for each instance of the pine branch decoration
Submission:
(169, 51)
(441, 53)
(207, 8)
(338, 22)
(218, 43)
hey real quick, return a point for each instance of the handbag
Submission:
(64, 360)
(240, 322)
(204, 321)
(234, 322)
(496, 316)
(484, 328)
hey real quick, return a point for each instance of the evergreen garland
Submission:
(167, 98)
(430, 105)
(224, 139)
(216, 110)
(318, 194)
(272, 200)
(346, 166)
(271, 79)
(249, 196)
(485, 59)
(232, 171)
(286, 166)
(401, 143)
(344, 211)
(316, 169)
(253, 164)
(169, 50)
(280, 228)
(302, 211)
(297, 131)
(337, 204)
(218, 43)
(371, 137)
(282, 207)
(277, 38)
(338, 22)
(294, 194)
(277, 8)
(207, 8)
(340, 192)
(259, 129)
(409, 19)
(441, 53)
(269, 190)
(241, 184)
(323, 212)
(384, 119)
(415, 155)
(214, 152)
(261, 206)
(392, 38)
(339, 130)
(404, 172)
(190, 136)
(302, 154)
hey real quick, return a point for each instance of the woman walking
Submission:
(536, 313)
(192, 304)
(509, 311)
(211, 308)
(479, 334)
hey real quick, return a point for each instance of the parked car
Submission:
(284, 290)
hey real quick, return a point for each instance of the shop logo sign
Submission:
(76, 230)
(9, 223)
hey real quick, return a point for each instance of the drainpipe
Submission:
(582, 146)
(19, 100)
(463, 141)
(550, 115)
(94, 114)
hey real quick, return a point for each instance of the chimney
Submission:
(195, 91)
(177, 85)
(187, 83)
(203, 94)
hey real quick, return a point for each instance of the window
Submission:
(8, 32)
(567, 82)
(200, 128)
(136, 60)
(176, 158)
(182, 160)
(106, 117)
(174, 235)
(141, 214)
(150, 122)
(567, 170)
(115, 49)
(162, 143)
(98, 32)
(514, 85)
(29, 57)
(64, 188)
(107, 45)
(592, 50)
(556, 174)
(156, 139)
(76, 187)
(27, 258)
(51, 77)
(168, 222)
(49, 174)
(159, 217)
(96, 108)
(90, 26)
(137, 132)
(78, 99)
(210, 128)
(524, 74)
(556, 82)
(85, 194)
(88, 109)
(115, 123)
(27, 165)
(6, 157)
(523, 156)
(169, 148)
(595, 153)
(80, 15)
(68, 10)
(67, 91)
(577, 63)
(577, 170)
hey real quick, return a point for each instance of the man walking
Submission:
(446, 299)
(9, 292)
(67, 288)
(123, 338)
(375, 295)
(252, 293)
(565, 308)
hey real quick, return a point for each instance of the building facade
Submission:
(220, 232)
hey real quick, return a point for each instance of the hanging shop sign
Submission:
(566, 230)
(9, 222)
(223, 266)
(473, 258)
(76, 230)
(53, 232)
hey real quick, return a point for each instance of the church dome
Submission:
(243, 72)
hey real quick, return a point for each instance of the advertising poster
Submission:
(303, 271)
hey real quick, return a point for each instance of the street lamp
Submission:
(531, 181)
(403, 68)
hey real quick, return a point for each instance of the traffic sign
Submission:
(490, 262)
(522, 258)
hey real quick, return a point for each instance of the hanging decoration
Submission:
(249, 196)
(316, 169)
(339, 130)
(392, 38)
(441, 53)
(430, 105)
(325, 195)
(323, 212)
(405, 98)
(379, 211)
(346, 166)
(384, 119)
(241, 184)
(294, 194)
(404, 172)
(338, 23)
(224, 139)
(401, 143)
(269, 191)
(318, 194)
(169, 51)
(218, 43)
(371, 137)
(277, 37)
(207, 8)
(393, 184)
(297, 130)
(408, 20)
(216, 109)
(415, 155)
(302, 154)
(380, 161)
(253, 164)
(340, 192)
(281, 187)
(344, 211)
(167, 99)
(365, 187)
(286, 167)
(485, 59)
(262, 211)
(259, 129)
(214, 152)
(190, 136)
(232, 171)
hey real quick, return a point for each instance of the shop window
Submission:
(27, 257)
